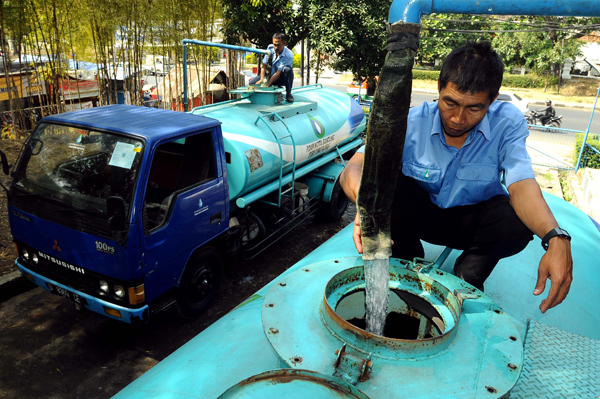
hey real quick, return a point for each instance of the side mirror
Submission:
(116, 213)
(4, 162)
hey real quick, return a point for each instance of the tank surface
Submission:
(236, 347)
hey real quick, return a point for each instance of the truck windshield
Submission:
(80, 168)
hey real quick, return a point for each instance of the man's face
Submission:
(279, 45)
(461, 111)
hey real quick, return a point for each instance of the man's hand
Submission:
(556, 265)
(356, 236)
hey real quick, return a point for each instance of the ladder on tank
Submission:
(273, 116)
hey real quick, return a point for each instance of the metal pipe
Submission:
(412, 10)
(227, 46)
(210, 44)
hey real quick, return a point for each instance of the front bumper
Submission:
(131, 316)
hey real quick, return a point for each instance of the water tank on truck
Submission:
(259, 131)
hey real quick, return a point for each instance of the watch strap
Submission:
(555, 232)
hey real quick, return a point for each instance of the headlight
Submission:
(34, 258)
(119, 291)
(25, 254)
(104, 289)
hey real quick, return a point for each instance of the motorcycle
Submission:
(534, 118)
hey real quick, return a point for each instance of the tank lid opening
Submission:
(421, 320)
(409, 317)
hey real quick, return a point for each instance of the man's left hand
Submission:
(556, 265)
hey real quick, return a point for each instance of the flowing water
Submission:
(377, 278)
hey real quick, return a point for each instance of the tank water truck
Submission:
(129, 210)
(303, 336)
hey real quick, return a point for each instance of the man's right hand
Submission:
(356, 234)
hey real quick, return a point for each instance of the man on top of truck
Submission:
(281, 72)
(460, 154)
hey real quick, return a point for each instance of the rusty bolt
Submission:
(296, 359)
(336, 261)
(513, 338)
(497, 311)
(270, 305)
(282, 284)
(273, 330)
(512, 366)
(491, 389)
(306, 270)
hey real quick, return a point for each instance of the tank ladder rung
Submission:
(274, 116)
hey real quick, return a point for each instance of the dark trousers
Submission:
(286, 79)
(486, 232)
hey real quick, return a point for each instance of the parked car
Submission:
(513, 98)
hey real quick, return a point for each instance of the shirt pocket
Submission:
(478, 172)
(422, 173)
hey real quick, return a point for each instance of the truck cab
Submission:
(97, 193)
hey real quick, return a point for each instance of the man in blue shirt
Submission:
(282, 73)
(459, 155)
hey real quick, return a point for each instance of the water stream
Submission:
(377, 279)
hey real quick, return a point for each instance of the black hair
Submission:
(474, 68)
(280, 36)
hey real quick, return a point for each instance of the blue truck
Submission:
(129, 210)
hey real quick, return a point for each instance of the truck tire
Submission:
(200, 283)
(334, 209)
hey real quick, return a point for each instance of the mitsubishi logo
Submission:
(56, 246)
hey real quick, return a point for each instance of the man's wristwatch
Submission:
(555, 232)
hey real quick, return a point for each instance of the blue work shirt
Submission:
(285, 59)
(473, 173)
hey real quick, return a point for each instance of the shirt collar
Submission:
(483, 126)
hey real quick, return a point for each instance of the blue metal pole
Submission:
(210, 44)
(412, 10)
(587, 132)
(185, 102)
(227, 46)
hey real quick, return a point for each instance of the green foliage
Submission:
(528, 81)
(352, 31)
(255, 21)
(436, 42)
(589, 158)
(252, 59)
(297, 61)
(508, 80)
(419, 74)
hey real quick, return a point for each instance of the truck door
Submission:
(185, 205)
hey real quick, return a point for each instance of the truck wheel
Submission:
(334, 209)
(200, 282)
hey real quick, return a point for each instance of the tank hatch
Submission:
(292, 384)
(441, 332)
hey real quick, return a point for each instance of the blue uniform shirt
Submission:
(285, 59)
(473, 173)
